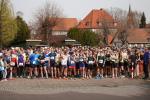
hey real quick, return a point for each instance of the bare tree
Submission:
(46, 18)
(118, 14)
(106, 31)
(137, 16)
(121, 18)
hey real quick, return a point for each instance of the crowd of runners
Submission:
(74, 62)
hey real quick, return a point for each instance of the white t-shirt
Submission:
(1, 54)
(64, 60)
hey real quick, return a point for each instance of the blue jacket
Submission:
(146, 57)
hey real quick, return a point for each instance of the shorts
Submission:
(90, 66)
(100, 65)
(45, 65)
(58, 65)
(64, 66)
(121, 64)
(114, 64)
(52, 64)
(34, 66)
(81, 64)
(77, 65)
(126, 64)
(27, 65)
(72, 67)
(86, 65)
(107, 64)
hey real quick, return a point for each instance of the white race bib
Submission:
(52, 58)
(21, 64)
(81, 60)
(12, 63)
(113, 60)
(101, 61)
(34, 62)
(72, 62)
(91, 62)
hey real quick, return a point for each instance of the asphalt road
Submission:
(48, 89)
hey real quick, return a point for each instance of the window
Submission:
(148, 39)
(99, 23)
(87, 24)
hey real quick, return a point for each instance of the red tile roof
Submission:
(148, 25)
(138, 36)
(95, 17)
(64, 24)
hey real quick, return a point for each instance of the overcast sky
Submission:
(80, 8)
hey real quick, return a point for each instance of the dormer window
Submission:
(99, 23)
(148, 39)
(87, 24)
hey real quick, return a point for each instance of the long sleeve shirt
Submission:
(146, 57)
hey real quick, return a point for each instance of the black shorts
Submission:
(90, 66)
(114, 64)
(35, 66)
(107, 64)
(121, 64)
(42, 64)
(86, 65)
(58, 65)
(126, 63)
(27, 65)
(101, 65)
(77, 65)
(52, 64)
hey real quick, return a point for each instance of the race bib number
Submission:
(34, 62)
(21, 64)
(72, 62)
(132, 63)
(113, 60)
(101, 61)
(52, 58)
(91, 62)
(12, 63)
(81, 60)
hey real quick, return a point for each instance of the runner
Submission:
(52, 56)
(100, 62)
(90, 62)
(3, 69)
(13, 64)
(21, 64)
(64, 64)
(82, 65)
(114, 64)
(72, 65)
